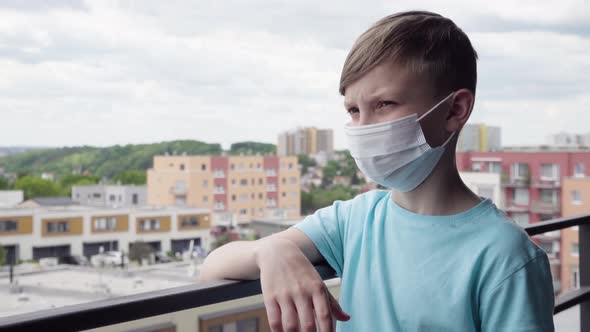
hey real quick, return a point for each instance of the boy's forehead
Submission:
(388, 78)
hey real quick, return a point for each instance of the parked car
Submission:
(161, 257)
(110, 258)
(48, 261)
(74, 260)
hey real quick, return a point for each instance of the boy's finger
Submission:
(304, 307)
(273, 313)
(321, 305)
(337, 309)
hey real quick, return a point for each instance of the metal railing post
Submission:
(584, 257)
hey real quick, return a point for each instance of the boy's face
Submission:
(389, 92)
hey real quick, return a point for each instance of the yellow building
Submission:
(575, 200)
(235, 188)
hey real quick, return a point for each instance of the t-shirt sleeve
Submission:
(522, 302)
(325, 228)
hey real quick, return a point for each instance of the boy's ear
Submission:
(461, 107)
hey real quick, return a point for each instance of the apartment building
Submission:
(479, 138)
(235, 188)
(34, 233)
(575, 200)
(110, 195)
(309, 141)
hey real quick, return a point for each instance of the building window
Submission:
(521, 196)
(219, 173)
(290, 165)
(203, 167)
(233, 198)
(259, 166)
(271, 202)
(520, 171)
(548, 196)
(260, 181)
(575, 282)
(8, 226)
(293, 180)
(219, 205)
(232, 167)
(219, 190)
(233, 182)
(260, 196)
(205, 183)
(294, 195)
(58, 227)
(271, 172)
(243, 197)
(244, 182)
(105, 223)
(283, 194)
(135, 199)
(521, 219)
(253, 181)
(205, 199)
(149, 224)
(180, 200)
(283, 181)
(251, 166)
(96, 195)
(576, 197)
(243, 212)
(271, 187)
(189, 221)
(575, 249)
(252, 196)
(549, 172)
(579, 170)
(120, 198)
(182, 167)
(112, 198)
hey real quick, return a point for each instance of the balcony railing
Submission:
(140, 306)
(545, 207)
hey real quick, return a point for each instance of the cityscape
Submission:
(157, 224)
(139, 138)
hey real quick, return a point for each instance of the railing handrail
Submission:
(137, 306)
(556, 224)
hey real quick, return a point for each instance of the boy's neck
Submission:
(442, 193)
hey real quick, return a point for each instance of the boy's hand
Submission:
(293, 291)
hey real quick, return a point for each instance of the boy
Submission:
(428, 255)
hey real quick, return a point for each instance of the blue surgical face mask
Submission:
(395, 154)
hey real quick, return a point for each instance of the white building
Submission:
(34, 233)
(568, 139)
(110, 195)
(10, 198)
(486, 185)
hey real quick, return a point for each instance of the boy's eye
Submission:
(352, 110)
(386, 103)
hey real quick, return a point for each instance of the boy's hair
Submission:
(424, 42)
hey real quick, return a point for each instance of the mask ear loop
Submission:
(435, 106)
(432, 109)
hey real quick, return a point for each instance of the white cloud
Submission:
(107, 72)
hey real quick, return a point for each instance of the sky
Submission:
(117, 72)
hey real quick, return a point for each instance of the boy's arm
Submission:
(522, 302)
(238, 259)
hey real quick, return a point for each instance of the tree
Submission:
(68, 181)
(318, 198)
(37, 187)
(134, 176)
(4, 184)
(252, 148)
(305, 161)
(2, 255)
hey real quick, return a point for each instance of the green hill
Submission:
(103, 162)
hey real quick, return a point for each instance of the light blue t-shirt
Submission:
(402, 271)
